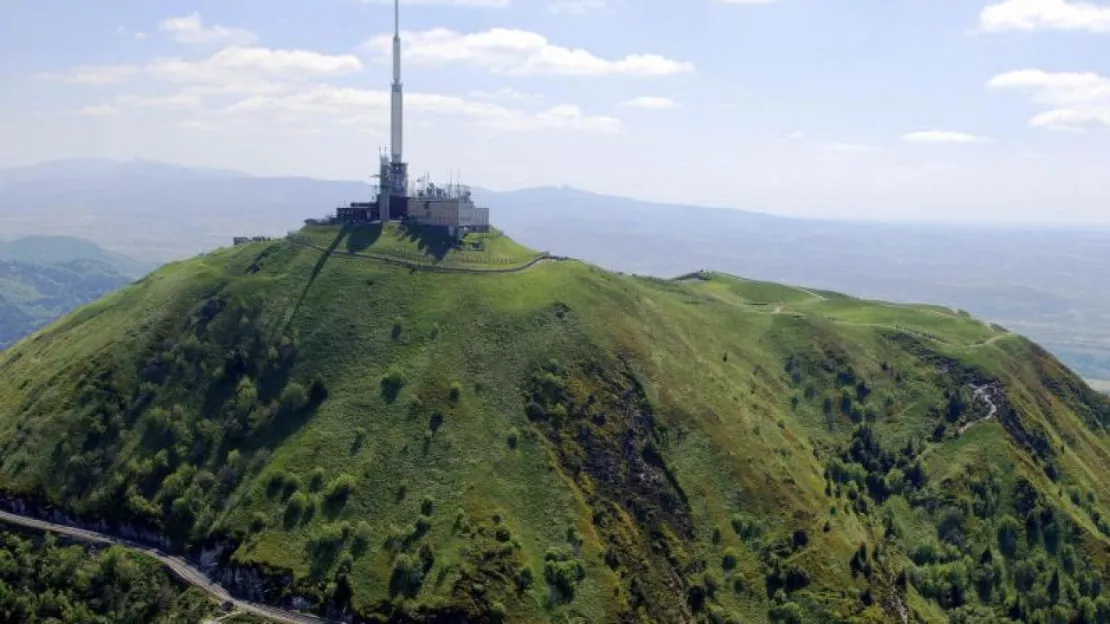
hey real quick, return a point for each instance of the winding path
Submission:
(179, 566)
(433, 268)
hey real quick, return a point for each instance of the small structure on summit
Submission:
(449, 206)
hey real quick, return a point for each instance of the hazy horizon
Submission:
(924, 221)
(993, 111)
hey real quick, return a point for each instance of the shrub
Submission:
(1009, 532)
(246, 395)
(258, 521)
(294, 398)
(525, 578)
(316, 479)
(562, 572)
(513, 438)
(728, 561)
(427, 505)
(292, 484)
(326, 543)
(392, 383)
(422, 526)
(340, 488)
(408, 575)
(361, 543)
(455, 392)
(296, 507)
(398, 328)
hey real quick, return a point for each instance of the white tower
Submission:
(397, 110)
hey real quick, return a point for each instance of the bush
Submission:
(296, 507)
(361, 543)
(427, 506)
(292, 484)
(294, 398)
(340, 488)
(728, 561)
(787, 613)
(408, 575)
(392, 383)
(562, 572)
(316, 479)
(455, 392)
(513, 438)
(1009, 533)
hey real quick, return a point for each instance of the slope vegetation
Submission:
(42, 580)
(566, 444)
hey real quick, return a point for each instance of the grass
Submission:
(422, 246)
(648, 418)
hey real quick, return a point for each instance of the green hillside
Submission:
(566, 444)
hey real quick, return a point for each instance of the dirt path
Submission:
(982, 393)
(433, 268)
(179, 566)
(811, 293)
(990, 341)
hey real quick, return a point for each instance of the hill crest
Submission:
(562, 442)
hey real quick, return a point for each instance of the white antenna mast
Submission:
(397, 109)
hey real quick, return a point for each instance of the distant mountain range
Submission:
(63, 250)
(1047, 284)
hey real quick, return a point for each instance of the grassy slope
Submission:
(479, 251)
(455, 482)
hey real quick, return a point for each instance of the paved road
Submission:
(177, 565)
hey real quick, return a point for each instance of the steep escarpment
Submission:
(563, 443)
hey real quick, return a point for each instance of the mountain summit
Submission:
(382, 423)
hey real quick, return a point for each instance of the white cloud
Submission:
(99, 111)
(364, 107)
(1076, 99)
(179, 101)
(747, 1)
(95, 74)
(235, 62)
(234, 69)
(191, 29)
(651, 102)
(943, 136)
(575, 7)
(1031, 15)
(504, 93)
(520, 52)
(140, 36)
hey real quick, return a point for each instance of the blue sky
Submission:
(941, 110)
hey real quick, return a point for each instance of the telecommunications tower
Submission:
(394, 172)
